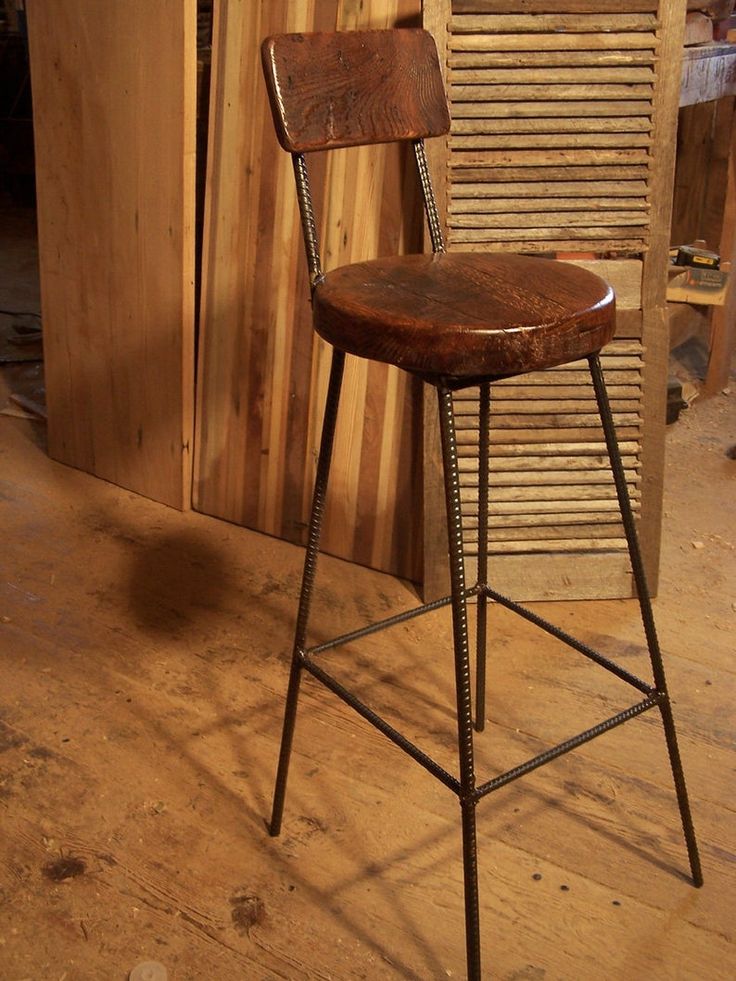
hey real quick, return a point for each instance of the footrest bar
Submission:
(372, 628)
(550, 628)
(583, 737)
(385, 727)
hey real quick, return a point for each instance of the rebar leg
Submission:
(646, 615)
(482, 608)
(462, 680)
(305, 598)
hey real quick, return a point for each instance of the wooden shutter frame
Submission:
(561, 577)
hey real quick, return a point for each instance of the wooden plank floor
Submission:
(144, 659)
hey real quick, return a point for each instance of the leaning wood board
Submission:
(262, 371)
(564, 121)
(114, 126)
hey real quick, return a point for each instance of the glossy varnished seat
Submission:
(455, 320)
(465, 315)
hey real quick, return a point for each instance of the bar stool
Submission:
(455, 320)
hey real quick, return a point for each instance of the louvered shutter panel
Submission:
(551, 131)
(555, 111)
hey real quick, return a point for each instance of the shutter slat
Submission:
(571, 23)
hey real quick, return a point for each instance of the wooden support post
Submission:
(723, 330)
(654, 285)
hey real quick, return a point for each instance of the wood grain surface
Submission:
(118, 755)
(262, 371)
(465, 315)
(369, 87)
(654, 281)
(114, 122)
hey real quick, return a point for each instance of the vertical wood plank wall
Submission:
(262, 373)
(114, 123)
(563, 141)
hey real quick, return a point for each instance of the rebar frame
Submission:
(308, 575)
(484, 426)
(430, 203)
(464, 785)
(647, 615)
(309, 223)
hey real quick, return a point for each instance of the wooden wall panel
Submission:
(262, 372)
(114, 122)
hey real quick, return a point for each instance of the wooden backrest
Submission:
(351, 88)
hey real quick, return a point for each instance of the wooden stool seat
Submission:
(465, 315)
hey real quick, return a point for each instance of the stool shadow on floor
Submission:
(175, 579)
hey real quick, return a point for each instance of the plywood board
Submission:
(114, 122)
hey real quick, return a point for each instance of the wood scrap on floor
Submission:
(31, 406)
(20, 337)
